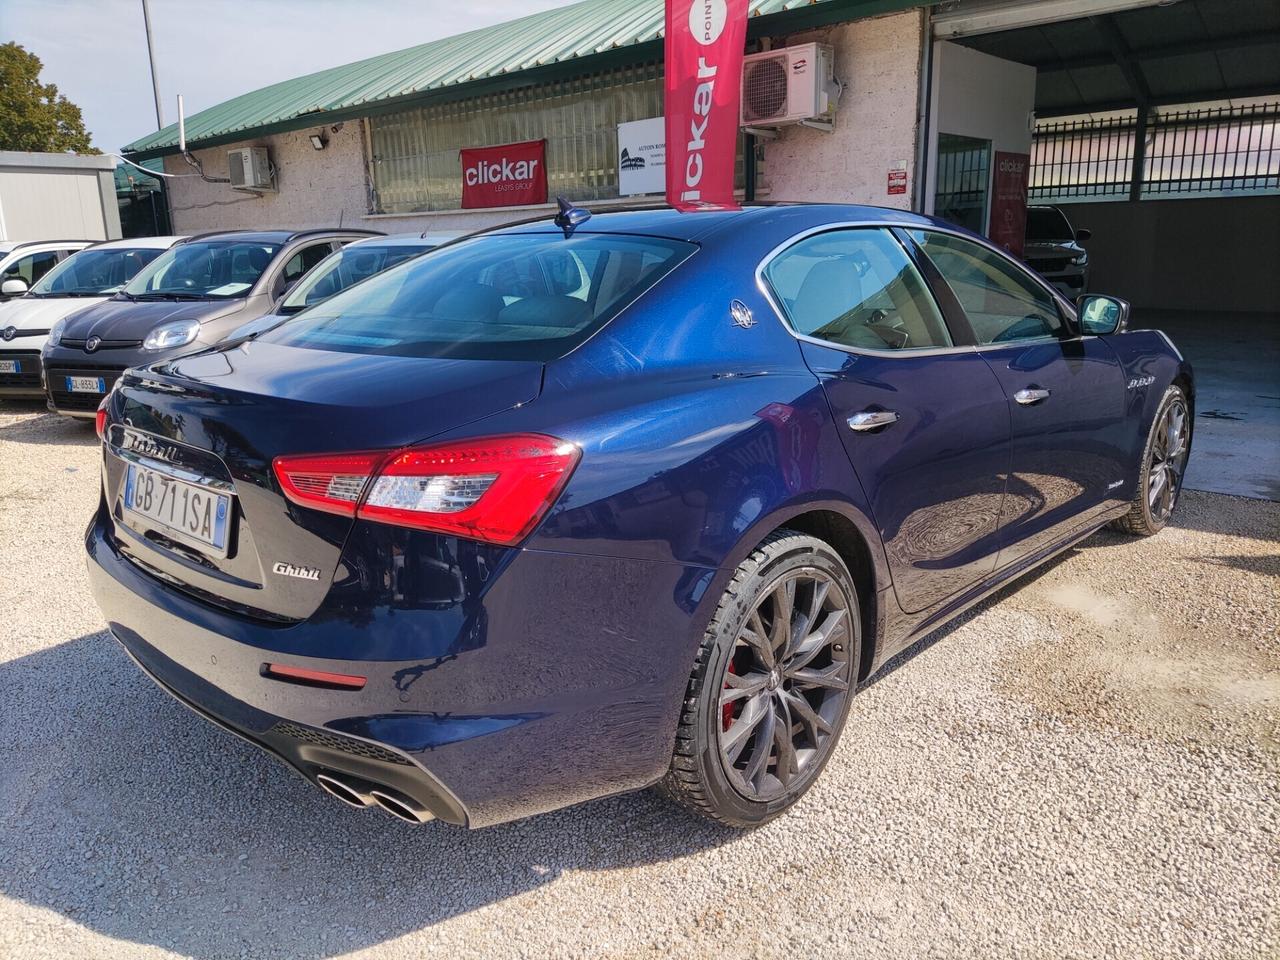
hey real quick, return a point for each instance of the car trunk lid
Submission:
(219, 418)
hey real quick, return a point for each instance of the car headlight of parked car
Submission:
(55, 334)
(1081, 260)
(170, 335)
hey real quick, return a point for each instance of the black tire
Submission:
(794, 692)
(1160, 475)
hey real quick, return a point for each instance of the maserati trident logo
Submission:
(9, 333)
(293, 570)
(92, 344)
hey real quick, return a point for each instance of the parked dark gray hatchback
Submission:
(191, 296)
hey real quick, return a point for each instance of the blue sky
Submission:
(209, 51)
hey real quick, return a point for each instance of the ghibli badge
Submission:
(292, 570)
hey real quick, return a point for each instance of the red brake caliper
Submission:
(726, 712)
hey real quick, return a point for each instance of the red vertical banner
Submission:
(1009, 201)
(705, 40)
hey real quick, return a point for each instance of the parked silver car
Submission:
(1054, 250)
(192, 295)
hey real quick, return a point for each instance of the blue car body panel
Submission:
(513, 680)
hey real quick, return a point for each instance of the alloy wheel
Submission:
(785, 685)
(1168, 460)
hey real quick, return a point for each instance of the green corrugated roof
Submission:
(591, 28)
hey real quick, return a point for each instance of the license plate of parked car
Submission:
(10, 366)
(193, 512)
(86, 385)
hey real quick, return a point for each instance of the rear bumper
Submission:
(280, 718)
(485, 735)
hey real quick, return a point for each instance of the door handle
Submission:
(872, 420)
(1030, 395)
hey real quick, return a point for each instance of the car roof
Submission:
(139, 243)
(670, 223)
(281, 236)
(400, 240)
(8, 246)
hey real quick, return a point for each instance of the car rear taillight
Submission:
(331, 482)
(100, 420)
(494, 489)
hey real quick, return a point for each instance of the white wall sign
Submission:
(642, 161)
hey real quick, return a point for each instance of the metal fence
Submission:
(1192, 152)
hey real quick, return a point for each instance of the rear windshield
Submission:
(94, 272)
(203, 270)
(1048, 224)
(352, 264)
(499, 297)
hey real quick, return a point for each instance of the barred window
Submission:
(415, 164)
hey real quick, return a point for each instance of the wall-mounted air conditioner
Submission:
(250, 169)
(790, 85)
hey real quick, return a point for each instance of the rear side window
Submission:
(856, 288)
(518, 296)
(304, 260)
(1002, 303)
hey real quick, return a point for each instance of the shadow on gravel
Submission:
(46, 428)
(128, 814)
(1197, 510)
(902, 658)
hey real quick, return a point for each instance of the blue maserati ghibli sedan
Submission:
(584, 505)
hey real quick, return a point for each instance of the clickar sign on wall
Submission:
(508, 175)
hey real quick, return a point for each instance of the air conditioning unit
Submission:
(250, 169)
(790, 85)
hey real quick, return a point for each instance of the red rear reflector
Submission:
(495, 489)
(316, 678)
(100, 421)
(331, 482)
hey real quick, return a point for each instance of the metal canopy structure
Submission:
(1119, 55)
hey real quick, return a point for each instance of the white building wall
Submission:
(316, 188)
(977, 95)
(57, 196)
(878, 60)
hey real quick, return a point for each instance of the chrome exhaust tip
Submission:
(401, 806)
(345, 792)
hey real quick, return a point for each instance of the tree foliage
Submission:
(33, 115)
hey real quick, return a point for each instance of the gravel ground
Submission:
(1088, 766)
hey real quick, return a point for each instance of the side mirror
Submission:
(1083, 235)
(1100, 315)
(13, 287)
